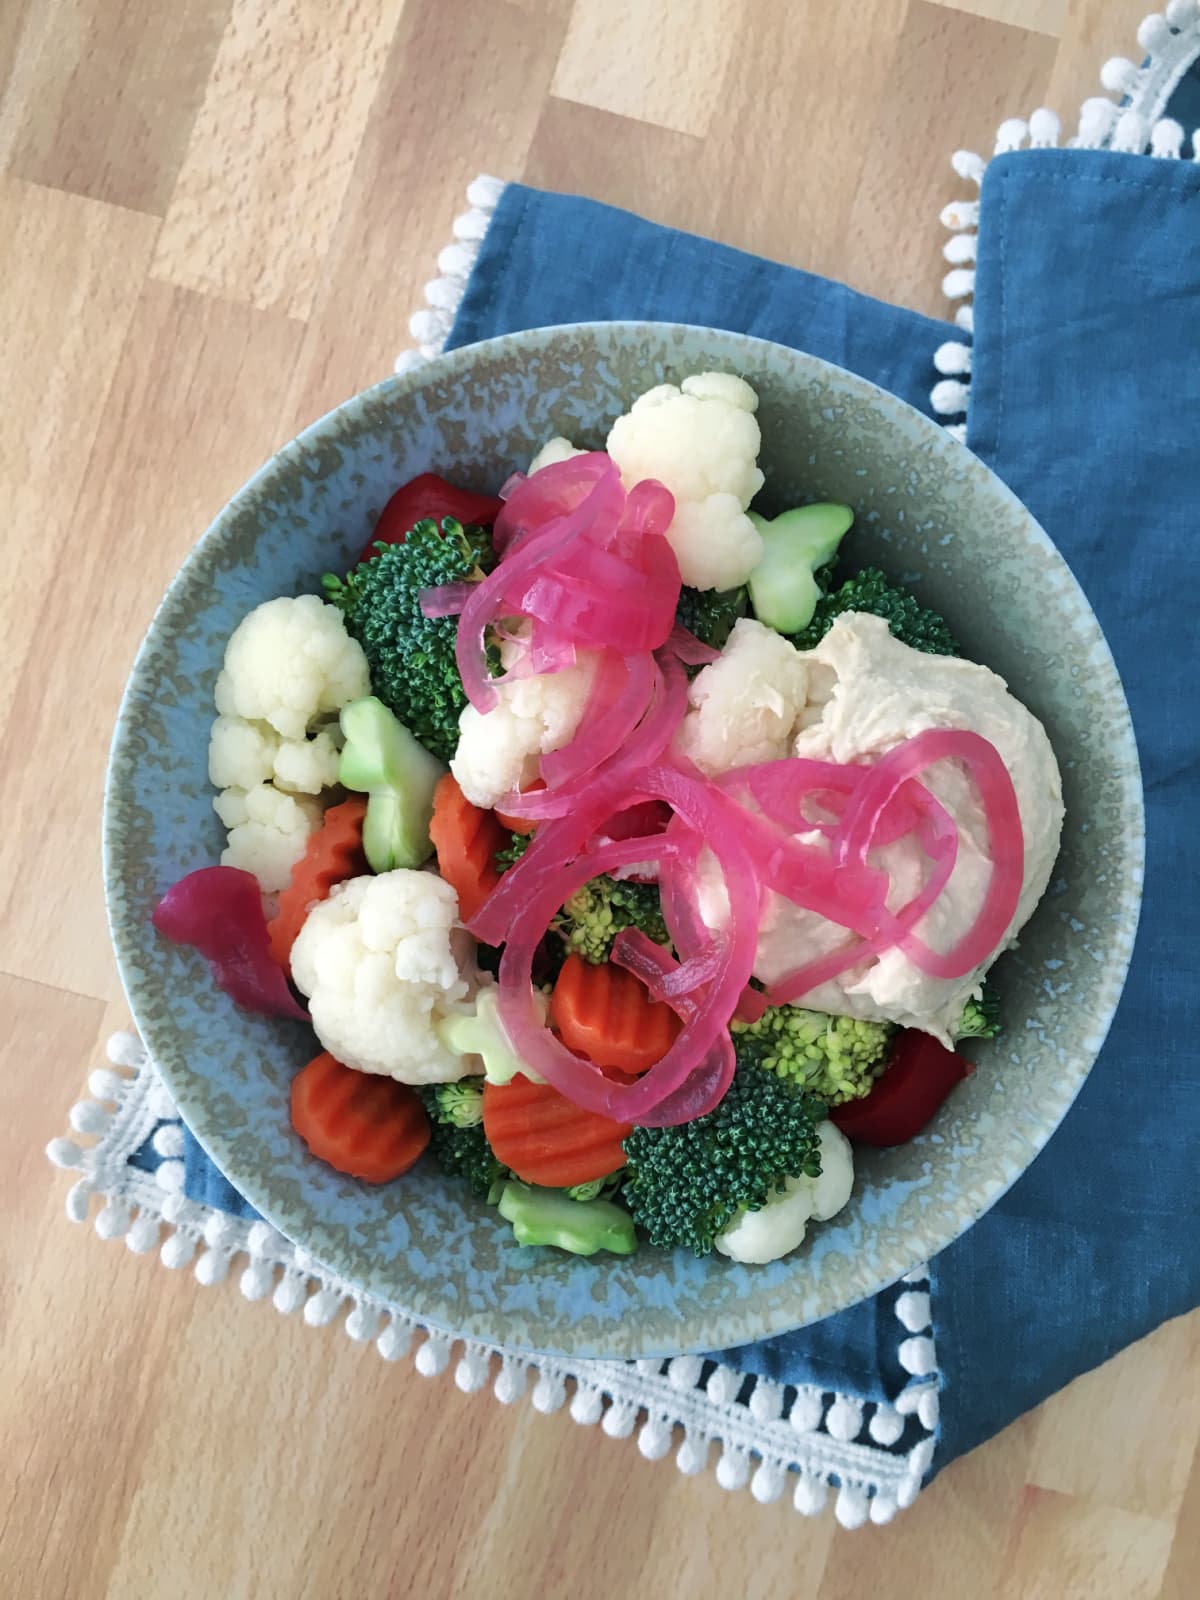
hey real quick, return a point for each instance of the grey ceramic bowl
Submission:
(930, 514)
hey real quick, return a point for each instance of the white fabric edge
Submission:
(823, 1439)
(1133, 122)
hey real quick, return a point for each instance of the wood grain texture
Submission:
(215, 219)
(258, 198)
(103, 96)
(659, 61)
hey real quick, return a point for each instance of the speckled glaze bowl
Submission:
(927, 512)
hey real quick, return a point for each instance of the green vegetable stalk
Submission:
(382, 760)
(784, 590)
(552, 1217)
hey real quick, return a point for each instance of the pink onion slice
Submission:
(1003, 817)
(707, 812)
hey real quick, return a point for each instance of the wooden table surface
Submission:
(218, 216)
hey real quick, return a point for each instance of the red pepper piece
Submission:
(219, 912)
(430, 496)
(918, 1078)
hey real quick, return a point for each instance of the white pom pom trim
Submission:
(782, 1439)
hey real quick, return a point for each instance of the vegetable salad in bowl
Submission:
(632, 855)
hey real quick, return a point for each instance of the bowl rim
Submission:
(517, 1328)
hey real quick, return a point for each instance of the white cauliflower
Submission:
(498, 750)
(268, 831)
(307, 766)
(242, 754)
(744, 707)
(552, 452)
(756, 1237)
(383, 961)
(702, 442)
(289, 663)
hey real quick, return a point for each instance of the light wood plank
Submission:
(659, 61)
(1039, 16)
(958, 1527)
(1179, 1579)
(809, 81)
(194, 409)
(994, 71)
(1064, 1549)
(70, 270)
(665, 176)
(103, 95)
(1145, 1406)
(274, 145)
(395, 219)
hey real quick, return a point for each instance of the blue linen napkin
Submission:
(1081, 399)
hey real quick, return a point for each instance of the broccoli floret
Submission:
(684, 1185)
(459, 1104)
(711, 613)
(509, 854)
(834, 1058)
(460, 1149)
(594, 915)
(869, 590)
(980, 1018)
(411, 656)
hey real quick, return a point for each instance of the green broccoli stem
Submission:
(383, 760)
(783, 586)
(552, 1217)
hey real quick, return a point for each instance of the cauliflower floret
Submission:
(702, 442)
(307, 766)
(382, 962)
(498, 750)
(268, 831)
(760, 1236)
(240, 753)
(744, 706)
(289, 662)
(244, 754)
(552, 452)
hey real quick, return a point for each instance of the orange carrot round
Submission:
(546, 1139)
(466, 839)
(604, 1013)
(364, 1125)
(333, 853)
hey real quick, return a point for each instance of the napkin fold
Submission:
(1078, 386)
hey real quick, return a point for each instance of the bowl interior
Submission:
(928, 513)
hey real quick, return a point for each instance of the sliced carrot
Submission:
(333, 853)
(604, 1013)
(364, 1125)
(466, 839)
(520, 824)
(545, 1138)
